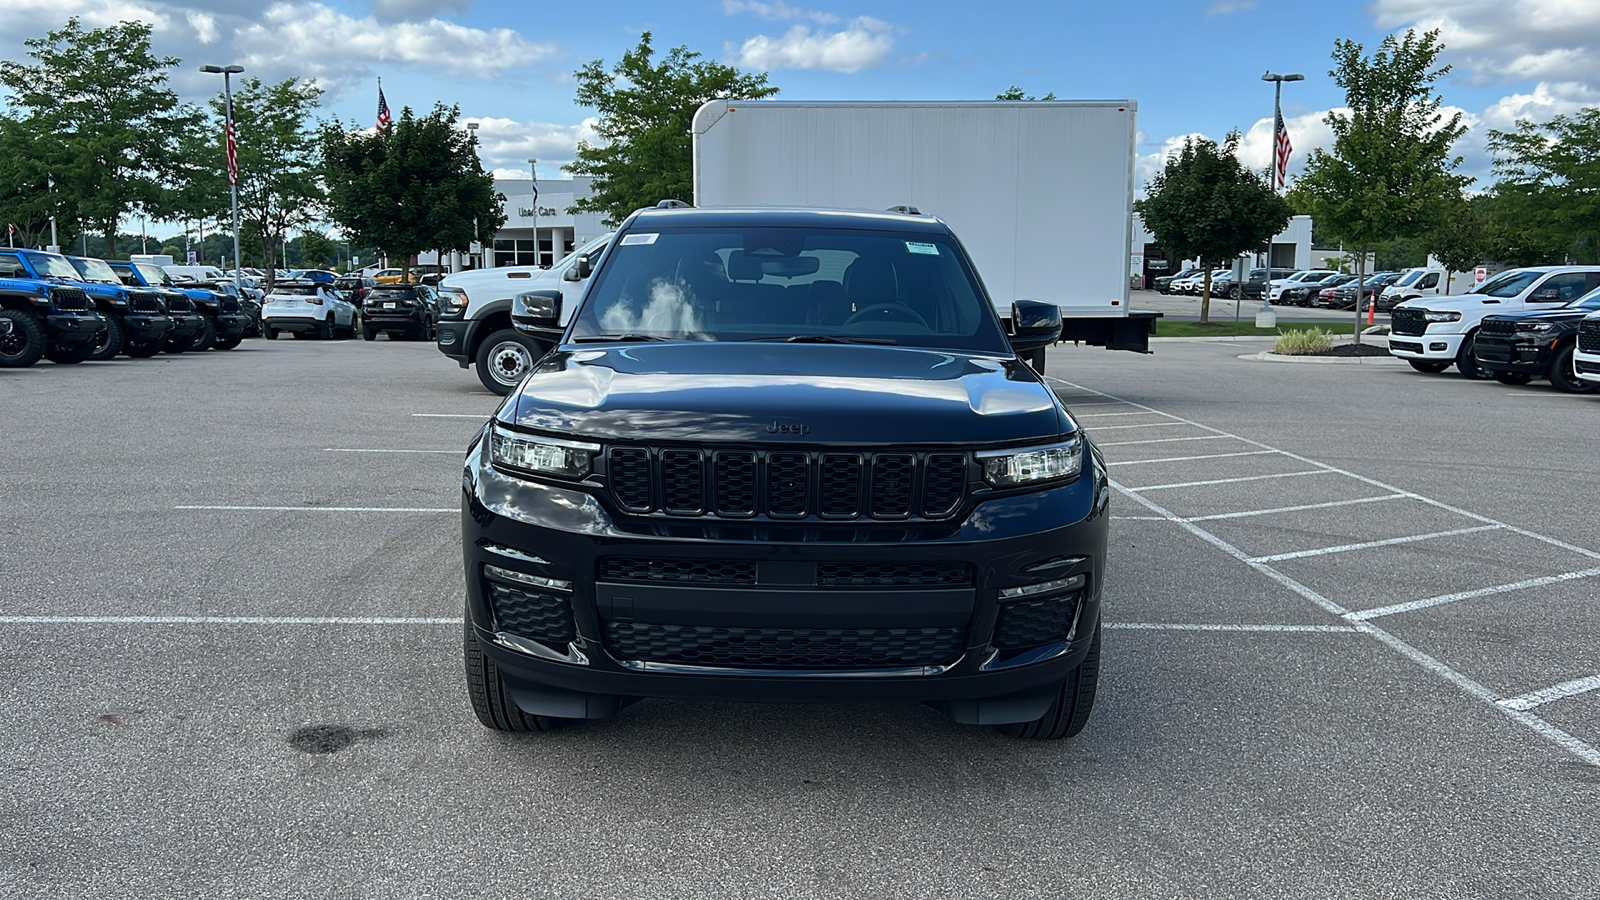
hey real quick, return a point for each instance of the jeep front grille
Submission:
(69, 299)
(787, 484)
(1498, 326)
(144, 302)
(180, 304)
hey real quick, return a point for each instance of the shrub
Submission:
(1307, 342)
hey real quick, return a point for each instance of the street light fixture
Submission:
(1266, 314)
(227, 72)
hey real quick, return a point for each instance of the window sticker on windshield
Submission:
(630, 239)
(927, 249)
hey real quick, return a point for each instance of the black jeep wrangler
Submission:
(784, 455)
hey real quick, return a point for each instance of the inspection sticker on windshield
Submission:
(928, 249)
(630, 239)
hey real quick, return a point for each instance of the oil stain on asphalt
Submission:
(324, 739)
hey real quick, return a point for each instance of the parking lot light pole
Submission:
(227, 73)
(1266, 313)
(538, 255)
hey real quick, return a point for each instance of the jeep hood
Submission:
(785, 393)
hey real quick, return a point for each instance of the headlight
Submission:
(541, 455)
(1011, 468)
(1536, 327)
(1429, 315)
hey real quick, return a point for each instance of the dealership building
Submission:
(537, 232)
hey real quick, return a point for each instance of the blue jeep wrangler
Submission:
(223, 322)
(51, 317)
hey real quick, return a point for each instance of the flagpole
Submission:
(231, 149)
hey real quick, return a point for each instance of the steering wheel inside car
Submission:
(898, 311)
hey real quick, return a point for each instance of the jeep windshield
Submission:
(778, 284)
(95, 270)
(52, 266)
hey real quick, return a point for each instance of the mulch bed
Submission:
(1355, 350)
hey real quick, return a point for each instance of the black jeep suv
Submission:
(1516, 348)
(784, 455)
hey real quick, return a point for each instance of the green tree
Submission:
(1015, 93)
(316, 250)
(115, 127)
(1547, 198)
(1392, 170)
(416, 185)
(1462, 239)
(1205, 205)
(646, 111)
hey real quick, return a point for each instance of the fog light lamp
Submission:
(1060, 585)
(554, 584)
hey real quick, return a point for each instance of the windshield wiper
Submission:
(625, 337)
(823, 339)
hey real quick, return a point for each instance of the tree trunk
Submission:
(111, 240)
(1361, 275)
(1205, 297)
(269, 249)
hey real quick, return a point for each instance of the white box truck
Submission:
(1040, 193)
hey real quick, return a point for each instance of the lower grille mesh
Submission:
(538, 615)
(784, 648)
(1034, 623)
(1589, 337)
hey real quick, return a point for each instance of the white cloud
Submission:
(506, 145)
(1224, 7)
(866, 42)
(31, 17)
(346, 45)
(1501, 40)
(1545, 103)
(204, 25)
(777, 11)
(413, 10)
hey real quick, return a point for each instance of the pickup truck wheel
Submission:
(1070, 711)
(490, 702)
(324, 329)
(1466, 363)
(1512, 378)
(110, 342)
(24, 346)
(71, 355)
(1431, 366)
(206, 336)
(145, 350)
(1564, 376)
(504, 357)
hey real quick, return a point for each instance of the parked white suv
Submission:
(475, 314)
(306, 309)
(1586, 357)
(1307, 276)
(1431, 333)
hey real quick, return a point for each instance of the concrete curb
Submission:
(1269, 356)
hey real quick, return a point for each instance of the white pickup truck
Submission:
(1432, 333)
(475, 314)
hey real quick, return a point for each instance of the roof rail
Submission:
(673, 204)
(905, 210)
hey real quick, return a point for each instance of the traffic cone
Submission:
(1372, 306)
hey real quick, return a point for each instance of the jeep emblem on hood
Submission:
(780, 428)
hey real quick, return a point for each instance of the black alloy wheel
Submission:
(206, 336)
(1564, 374)
(24, 346)
(1466, 363)
(110, 342)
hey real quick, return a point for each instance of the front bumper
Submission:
(146, 327)
(556, 532)
(1431, 345)
(184, 325)
(1528, 356)
(1587, 366)
(455, 340)
(73, 328)
(230, 325)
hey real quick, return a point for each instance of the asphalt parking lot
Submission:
(1351, 653)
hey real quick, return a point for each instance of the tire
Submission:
(268, 332)
(206, 336)
(24, 346)
(1512, 378)
(504, 357)
(324, 329)
(1235, 293)
(1431, 366)
(145, 350)
(1564, 377)
(228, 343)
(1070, 711)
(111, 341)
(1466, 363)
(368, 334)
(70, 356)
(490, 702)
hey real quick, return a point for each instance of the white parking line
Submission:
(1274, 629)
(362, 509)
(1365, 545)
(485, 416)
(1412, 605)
(1173, 459)
(225, 620)
(1187, 484)
(1555, 692)
(1109, 415)
(1284, 509)
(1100, 428)
(1582, 750)
(360, 450)
(1204, 437)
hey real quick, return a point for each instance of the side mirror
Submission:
(536, 311)
(578, 271)
(1034, 324)
(1546, 295)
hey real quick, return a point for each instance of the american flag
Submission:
(232, 138)
(1283, 149)
(383, 110)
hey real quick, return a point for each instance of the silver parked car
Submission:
(307, 309)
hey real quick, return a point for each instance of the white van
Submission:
(1432, 333)
(1425, 281)
(196, 273)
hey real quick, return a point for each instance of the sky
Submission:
(1193, 66)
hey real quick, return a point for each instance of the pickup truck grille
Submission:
(1407, 321)
(1498, 326)
(143, 302)
(787, 484)
(784, 648)
(1589, 336)
(70, 299)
